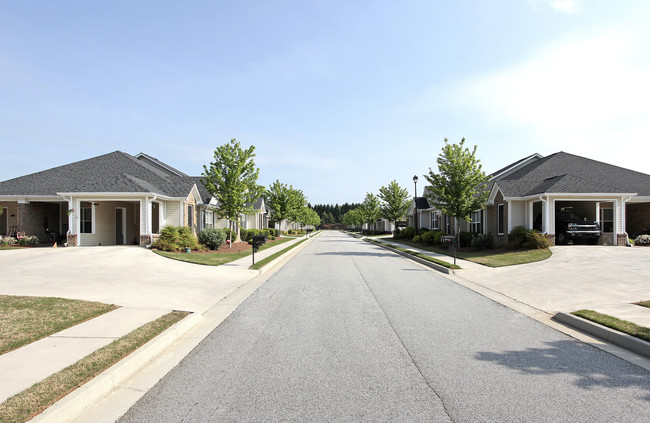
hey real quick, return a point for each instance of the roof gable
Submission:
(567, 173)
(115, 172)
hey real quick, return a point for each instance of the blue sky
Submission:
(338, 97)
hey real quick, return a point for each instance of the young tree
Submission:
(396, 202)
(458, 189)
(286, 202)
(232, 179)
(353, 218)
(370, 209)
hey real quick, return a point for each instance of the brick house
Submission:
(112, 199)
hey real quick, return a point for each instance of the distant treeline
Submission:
(333, 213)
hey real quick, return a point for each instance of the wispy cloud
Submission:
(562, 6)
(566, 6)
(583, 94)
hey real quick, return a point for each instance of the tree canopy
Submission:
(370, 209)
(285, 200)
(232, 179)
(395, 202)
(458, 189)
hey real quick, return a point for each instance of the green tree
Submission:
(353, 218)
(458, 189)
(282, 199)
(370, 209)
(232, 179)
(396, 202)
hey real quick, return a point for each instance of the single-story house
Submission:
(112, 199)
(532, 190)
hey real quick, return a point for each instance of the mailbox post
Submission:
(258, 241)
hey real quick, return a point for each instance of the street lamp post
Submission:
(415, 202)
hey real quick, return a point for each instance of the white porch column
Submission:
(509, 203)
(548, 205)
(617, 220)
(597, 219)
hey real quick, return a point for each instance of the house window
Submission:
(155, 217)
(435, 224)
(209, 219)
(476, 224)
(500, 219)
(607, 220)
(86, 218)
(190, 215)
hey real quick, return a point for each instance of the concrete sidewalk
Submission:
(32, 363)
(574, 278)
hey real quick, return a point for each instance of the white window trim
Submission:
(92, 218)
(500, 206)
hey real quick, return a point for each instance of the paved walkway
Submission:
(600, 278)
(145, 284)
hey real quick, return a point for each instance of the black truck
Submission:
(570, 226)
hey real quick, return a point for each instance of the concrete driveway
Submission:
(126, 276)
(601, 278)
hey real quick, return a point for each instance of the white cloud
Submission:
(562, 6)
(586, 95)
(566, 6)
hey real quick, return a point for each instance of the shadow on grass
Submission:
(591, 367)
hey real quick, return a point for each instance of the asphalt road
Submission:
(347, 331)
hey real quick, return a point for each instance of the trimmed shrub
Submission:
(417, 238)
(483, 242)
(527, 239)
(212, 238)
(7, 240)
(465, 238)
(168, 240)
(433, 237)
(186, 238)
(642, 240)
(28, 240)
(423, 231)
(407, 233)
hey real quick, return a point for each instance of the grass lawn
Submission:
(216, 258)
(490, 258)
(422, 256)
(9, 247)
(38, 397)
(614, 323)
(27, 319)
(644, 304)
(258, 265)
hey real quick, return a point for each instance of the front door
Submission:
(120, 223)
(3, 221)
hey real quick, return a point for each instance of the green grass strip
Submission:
(25, 319)
(614, 323)
(644, 304)
(420, 255)
(264, 262)
(38, 397)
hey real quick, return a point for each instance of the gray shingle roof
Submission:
(115, 172)
(567, 173)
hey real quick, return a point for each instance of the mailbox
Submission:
(449, 240)
(258, 240)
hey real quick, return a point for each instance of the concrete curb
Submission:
(623, 340)
(422, 261)
(78, 401)
(75, 403)
(288, 255)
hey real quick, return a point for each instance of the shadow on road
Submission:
(562, 357)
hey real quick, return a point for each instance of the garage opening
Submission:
(576, 222)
